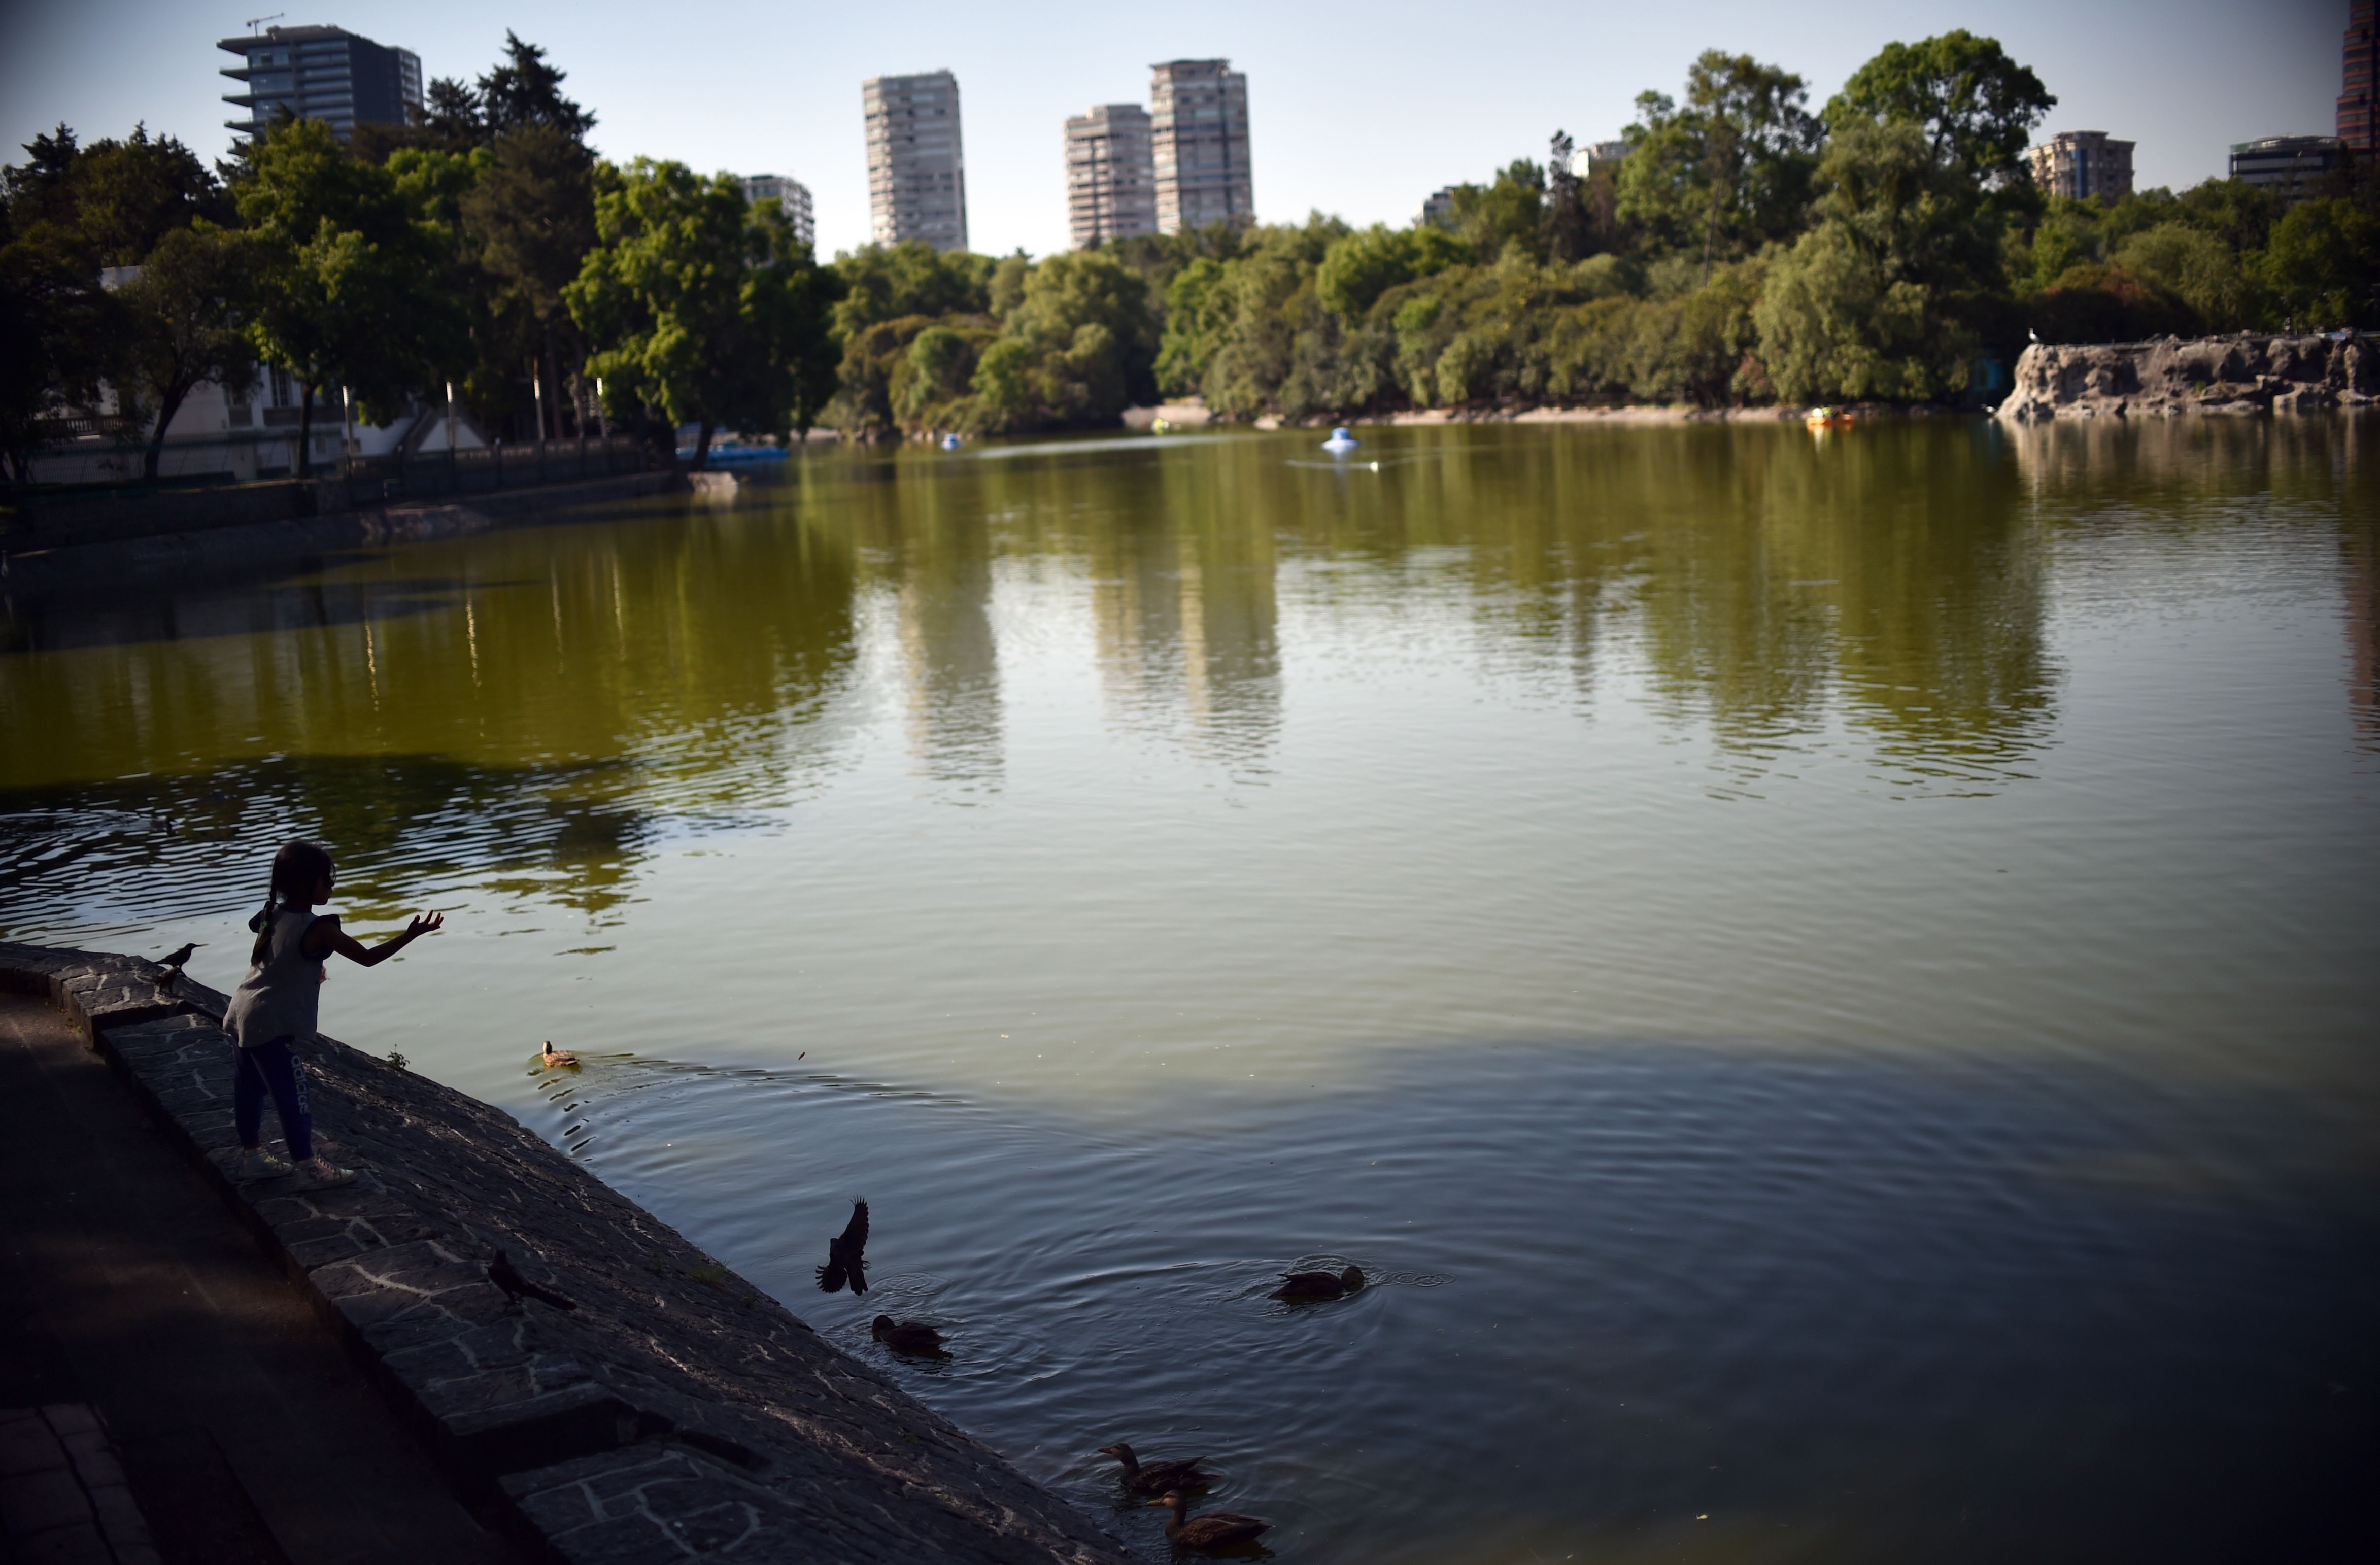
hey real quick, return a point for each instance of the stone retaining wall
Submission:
(184, 554)
(677, 1414)
(2169, 375)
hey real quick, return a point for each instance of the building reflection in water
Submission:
(934, 553)
(1182, 610)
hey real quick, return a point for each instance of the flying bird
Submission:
(906, 1336)
(1320, 1284)
(1217, 1529)
(844, 1258)
(502, 1272)
(1156, 1477)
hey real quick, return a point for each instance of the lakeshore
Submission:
(677, 1408)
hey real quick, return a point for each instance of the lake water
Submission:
(1830, 982)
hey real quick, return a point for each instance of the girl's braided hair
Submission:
(297, 869)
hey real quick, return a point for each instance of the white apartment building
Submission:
(2077, 164)
(917, 166)
(792, 196)
(1199, 130)
(1111, 175)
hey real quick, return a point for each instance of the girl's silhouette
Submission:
(275, 1006)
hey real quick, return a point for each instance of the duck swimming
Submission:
(906, 1336)
(553, 1057)
(1320, 1284)
(1156, 1477)
(1217, 1529)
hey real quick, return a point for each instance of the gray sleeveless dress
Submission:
(282, 995)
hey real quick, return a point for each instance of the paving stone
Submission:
(33, 1502)
(26, 1444)
(77, 1545)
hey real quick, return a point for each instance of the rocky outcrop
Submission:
(2170, 376)
(676, 1413)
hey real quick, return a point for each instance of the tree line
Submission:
(1742, 249)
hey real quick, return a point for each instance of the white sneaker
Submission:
(321, 1173)
(261, 1163)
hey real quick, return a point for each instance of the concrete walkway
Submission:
(246, 1432)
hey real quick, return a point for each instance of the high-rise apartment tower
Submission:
(916, 167)
(2357, 84)
(792, 196)
(1111, 175)
(2077, 164)
(325, 73)
(1199, 127)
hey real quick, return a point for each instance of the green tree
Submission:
(525, 92)
(1357, 270)
(1727, 172)
(188, 315)
(698, 303)
(883, 283)
(57, 325)
(1569, 228)
(1200, 310)
(1082, 292)
(74, 210)
(2199, 268)
(351, 289)
(2321, 265)
(528, 221)
(1977, 108)
(1507, 213)
(1861, 305)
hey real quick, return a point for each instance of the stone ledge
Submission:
(678, 1412)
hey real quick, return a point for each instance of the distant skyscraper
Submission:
(325, 73)
(917, 168)
(2357, 85)
(1111, 175)
(1436, 209)
(791, 195)
(2076, 164)
(1199, 125)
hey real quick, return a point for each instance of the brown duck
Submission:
(1216, 1530)
(1156, 1477)
(1320, 1284)
(905, 1336)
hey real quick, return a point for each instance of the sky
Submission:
(1356, 111)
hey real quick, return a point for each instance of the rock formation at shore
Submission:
(2168, 376)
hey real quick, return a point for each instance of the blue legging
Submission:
(276, 1068)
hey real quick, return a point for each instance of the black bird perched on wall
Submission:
(844, 1258)
(1156, 1477)
(502, 1272)
(172, 964)
(1320, 1284)
(1216, 1530)
(906, 1336)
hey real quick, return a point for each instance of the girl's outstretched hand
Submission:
(425, 924)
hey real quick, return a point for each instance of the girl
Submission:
(275, 1005)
